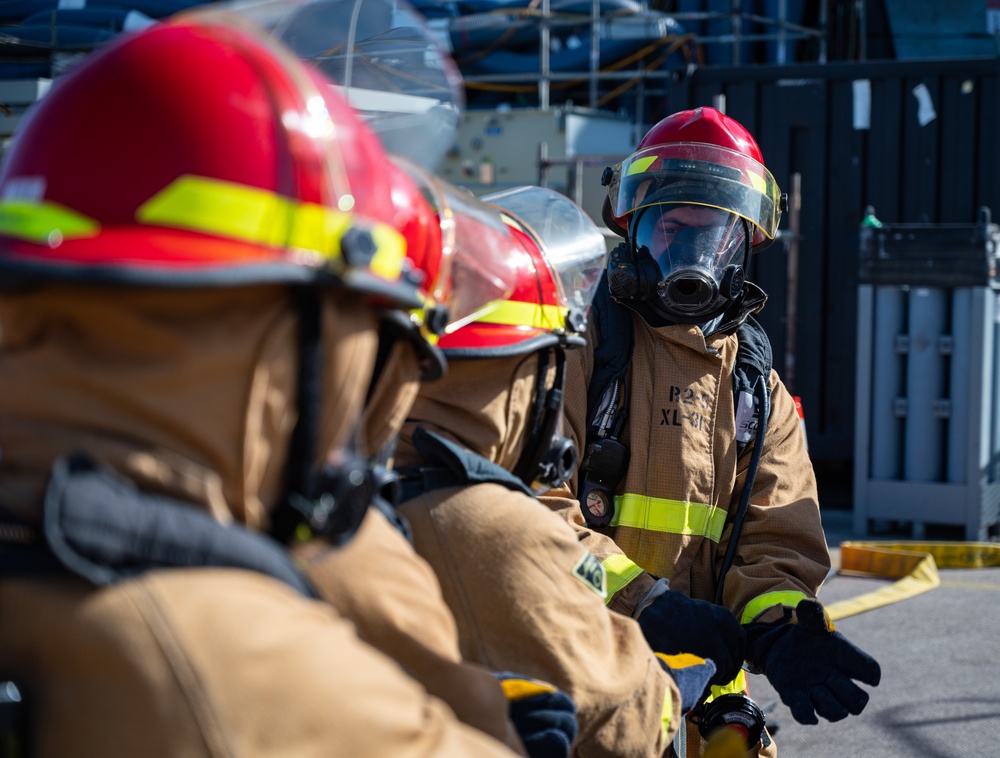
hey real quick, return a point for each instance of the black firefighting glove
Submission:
(691, 674)
(675, 623)
(810, 665)
(544, 716)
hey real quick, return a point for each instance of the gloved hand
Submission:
(811, 665)
(691, 674)
(544, 716)
(675, 623)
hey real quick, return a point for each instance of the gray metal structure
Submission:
(927, 423)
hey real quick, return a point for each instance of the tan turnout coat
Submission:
(681, 490)
(190, 394)
(516, 577)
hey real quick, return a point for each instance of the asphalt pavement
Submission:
(940, 658)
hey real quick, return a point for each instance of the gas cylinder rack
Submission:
(927, 412)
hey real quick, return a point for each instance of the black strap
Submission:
(447, 464)
(612, 359)
(99, 526)
(752, 368)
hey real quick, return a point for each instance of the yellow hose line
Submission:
(914, 566)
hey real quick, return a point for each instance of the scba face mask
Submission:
(693, 258)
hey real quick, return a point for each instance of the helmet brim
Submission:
(163, 257)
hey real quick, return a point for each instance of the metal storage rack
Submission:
(927, 424)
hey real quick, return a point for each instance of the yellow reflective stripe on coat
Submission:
(667, 714)
(761, 603)
(620, 571)
(37, 222)
(517, 313)
(658, 514)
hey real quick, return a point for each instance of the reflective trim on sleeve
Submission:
(667, 715)
(620, 571)
(659, 514)
(761, 603)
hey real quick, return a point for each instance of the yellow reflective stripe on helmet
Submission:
(515, 313)
(38, 222)
(639, 165)
(739, 684)
(761, 603)
(620, 570)
(245, 213)
(262, 217)
(658, 514)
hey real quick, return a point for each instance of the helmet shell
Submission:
(706, 125)
(198, 153)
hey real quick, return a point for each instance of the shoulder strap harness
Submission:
(606, 459)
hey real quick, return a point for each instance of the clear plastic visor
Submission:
(690, 238)
(479, 254)
(386, 61)
(693, 172)
(571, 242)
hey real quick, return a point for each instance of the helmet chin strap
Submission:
(331, 501)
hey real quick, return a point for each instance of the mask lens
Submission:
(692, 247)
(683, 237)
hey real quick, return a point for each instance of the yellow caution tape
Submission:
(914, 566)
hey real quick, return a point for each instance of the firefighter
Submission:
(479, 444)
(677, 408)
(195, 255)
(378, 581)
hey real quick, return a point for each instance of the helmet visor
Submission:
(570, 241)
(478, 256)
(386, 61)
(701, 174)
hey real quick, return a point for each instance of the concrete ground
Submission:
(940, 657)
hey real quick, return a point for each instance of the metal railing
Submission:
(539, 14)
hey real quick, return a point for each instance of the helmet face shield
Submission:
(476, 266)
(385, 61)
(559, 255)
(571, 243)
(698, 252)
(697, 173)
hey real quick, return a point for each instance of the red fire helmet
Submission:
(198, 152)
